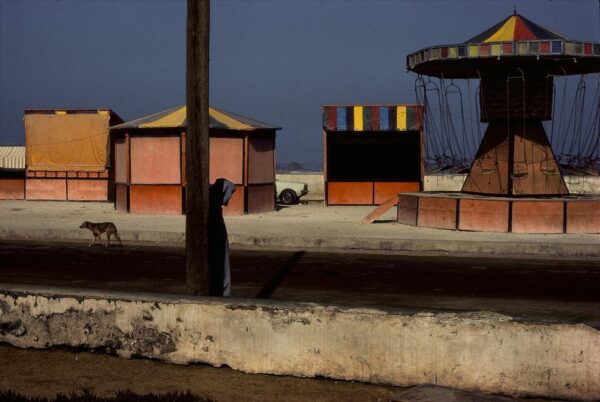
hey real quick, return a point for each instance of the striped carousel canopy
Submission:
(513, 42)
(372, 117)
(515, 28)
(177, 117)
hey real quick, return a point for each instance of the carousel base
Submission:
(470, 212)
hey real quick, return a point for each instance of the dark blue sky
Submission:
(276, 61)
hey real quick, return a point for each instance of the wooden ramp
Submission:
(380, 210)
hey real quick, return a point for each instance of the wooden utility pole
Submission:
(196, 147)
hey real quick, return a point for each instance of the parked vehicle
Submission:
(289, 192)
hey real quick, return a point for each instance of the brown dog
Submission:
(98, 228)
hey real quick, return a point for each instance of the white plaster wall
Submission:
(583, 184)
(475, 351)
(445, 182)
(575, 184)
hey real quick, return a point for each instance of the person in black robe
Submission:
(220, 193)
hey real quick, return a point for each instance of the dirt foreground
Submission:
(46, 373)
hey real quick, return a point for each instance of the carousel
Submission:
(514, 181)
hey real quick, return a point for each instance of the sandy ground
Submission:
(308, 221)
(49, 372)
(46, 373)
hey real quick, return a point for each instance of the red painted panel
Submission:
(121, 161)
(87, 190)
(12, 189)
(155, 200)
(46, 189)
(331, 117)
(375, 118)
(227, 159)
(71, 174)
(350, 193)
(537, 216)
(122, 194)
(583, 216)
(236, 203)
(261, 198)
(155, 160)
(483, 215)
(437, 212)
(408, 206)
(386, 190)
(261, 160)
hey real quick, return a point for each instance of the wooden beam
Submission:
(380, 210)
(196, 222)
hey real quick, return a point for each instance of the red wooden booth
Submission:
(150, 162)
(67, 154)
(371, 153)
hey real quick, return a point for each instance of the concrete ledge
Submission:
(483, 351)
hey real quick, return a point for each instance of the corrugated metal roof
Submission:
(177, 117)
(12, 157)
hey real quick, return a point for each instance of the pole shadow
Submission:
(273, 283)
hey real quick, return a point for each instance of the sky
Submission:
(277, 61)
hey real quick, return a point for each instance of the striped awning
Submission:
(515, 28)
(177, 117)
(12, 157)
(514, 41)
(372, 117)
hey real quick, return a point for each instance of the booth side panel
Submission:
(350, 193)
(121, 197)
(12, 189)
(155, 160)
(261, 198)
(261, 160)
(46, 189)
(87, 190)
(155, 199)
(121, 162)
(236, 203)
(226, 159)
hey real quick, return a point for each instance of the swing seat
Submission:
(484, 172)
(518, 176)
